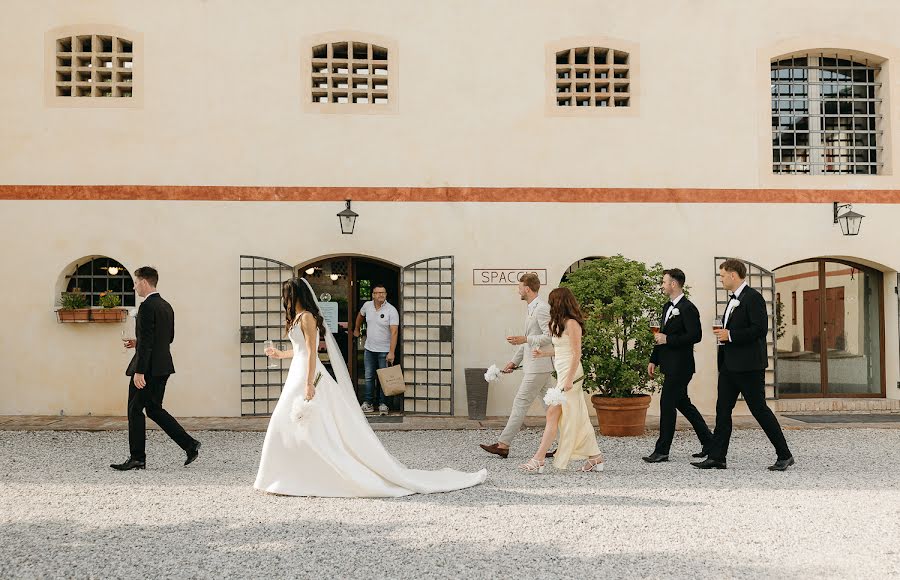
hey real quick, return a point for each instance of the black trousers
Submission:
(752, 385)
(150, 399)
(675, 398)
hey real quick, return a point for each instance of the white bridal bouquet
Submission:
(302, 406)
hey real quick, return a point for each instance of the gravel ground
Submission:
(836, 514)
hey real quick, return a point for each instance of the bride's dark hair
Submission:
(294, 293)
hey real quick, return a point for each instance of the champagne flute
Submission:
(273, 362)
(718, 324)
(126, 336)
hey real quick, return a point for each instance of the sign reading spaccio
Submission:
(505, 276)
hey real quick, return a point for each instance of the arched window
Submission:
(94, 65)
(826, 114)
(350, 73)
(592, 76)
(101, 274)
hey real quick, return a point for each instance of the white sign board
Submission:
(329, 311)
(505, 276)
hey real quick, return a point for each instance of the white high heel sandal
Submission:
(532, 466)
(593, 465)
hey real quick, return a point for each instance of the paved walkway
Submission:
(406, 423)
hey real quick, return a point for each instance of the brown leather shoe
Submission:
(496, 450)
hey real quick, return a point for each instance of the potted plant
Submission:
(109, 310)
(73, 307)
(619, 298)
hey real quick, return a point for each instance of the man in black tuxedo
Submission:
(674, 354)
(149, 370)
(742, 367)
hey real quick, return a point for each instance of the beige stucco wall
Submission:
(222, 94)
(196, 246)
(221, 104)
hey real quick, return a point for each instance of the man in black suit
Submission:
(674, 355)
(149, 370)
(742, 367)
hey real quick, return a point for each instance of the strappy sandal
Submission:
(595, 464)
(533, 466)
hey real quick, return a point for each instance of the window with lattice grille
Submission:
(826, 115)
(93, 65)
(592, 76)
(351, 73)
(102, 274)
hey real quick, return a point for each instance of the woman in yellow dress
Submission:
(577, 439)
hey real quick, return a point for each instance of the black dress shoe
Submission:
(550, 453)
(192, 454)
(709, 464)
(129, 465)
(702, 453)
(656, 457)
(782, 464)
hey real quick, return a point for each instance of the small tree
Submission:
(619, 297)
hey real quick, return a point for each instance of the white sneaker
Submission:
(383, 409)
(367, 408)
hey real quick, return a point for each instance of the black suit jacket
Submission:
(682, 333)
(155, 331)
(748, 325)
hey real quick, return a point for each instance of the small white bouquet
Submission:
(555, 396)
(493, 373)
(302, 406)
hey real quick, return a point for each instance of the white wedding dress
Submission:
(332, 451)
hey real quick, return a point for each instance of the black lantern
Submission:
(348, 219)
(850, 221)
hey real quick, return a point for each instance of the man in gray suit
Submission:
(536, 370)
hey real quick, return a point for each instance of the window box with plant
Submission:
(73, 307)
(619, 298)
(109, 310)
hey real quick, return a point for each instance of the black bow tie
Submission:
(666, 305)
(733, 297)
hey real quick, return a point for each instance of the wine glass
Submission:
(126, 336)
(273, 362)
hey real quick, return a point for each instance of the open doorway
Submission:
(343, 284)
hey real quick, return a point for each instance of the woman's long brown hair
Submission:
(563, 306)
(294, 293)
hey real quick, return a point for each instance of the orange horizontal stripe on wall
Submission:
(445, 194)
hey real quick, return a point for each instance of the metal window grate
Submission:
(763, 281)
(427, 335)
(826, 115)
(262, 319)
(92, 65)
(592, 76)
(350, 73)
(93, 278)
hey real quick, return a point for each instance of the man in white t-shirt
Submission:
(382, 322)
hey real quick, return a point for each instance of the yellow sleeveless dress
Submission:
(577, 438)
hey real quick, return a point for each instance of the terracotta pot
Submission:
(108, 314)
(76, 315)
(621, 416)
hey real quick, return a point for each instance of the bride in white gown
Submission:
(331, 451)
